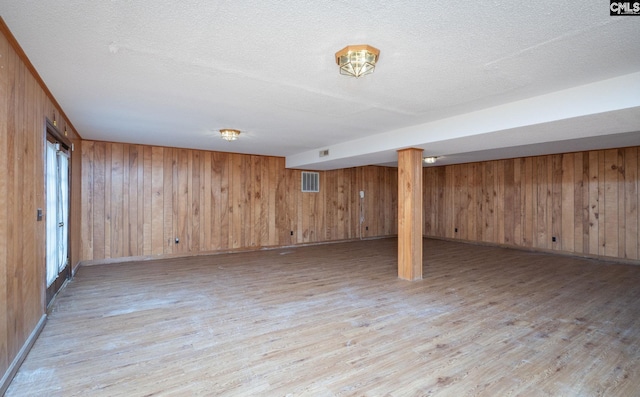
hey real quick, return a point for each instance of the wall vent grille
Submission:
(310, 181)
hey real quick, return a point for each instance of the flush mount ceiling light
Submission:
(357, 60)
(229, 134)
(430, 160)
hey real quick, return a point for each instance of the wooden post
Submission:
(410, 214)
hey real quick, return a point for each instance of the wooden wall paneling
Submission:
(455, 196)
(438, 197)
(632, 201)
(171, 200)
(137, 201)
(195, 190)
(336, 212)
(15, 275)
(217, 205)
(320, 211)
(364, 183)
(283, 226)
(31, 179)
(379, 200)
(594, 203)
(99, 193)
(297, 214)
(127, 210)
(381, 206)
(182, 215)
(349, 209)
(265, 188)
(255, 203)
(247, 202)
(226, 207)
(483, 200)
(357, 204)
(602, 213)
(462, 222)
(117, 201)
(391, 218)
(386, 215)
(622, 224)
(426, 203)
(509, 200)
(493, 200)
(147, 201)
(344, 203)
(87, 209)
(275, 164)
(517, 202)
(369, 204)
(555, 187)
(5, 95)
(499, 201)
(567, 196)
(207, 218)
(548, 223)
(108, 200)
(586, 204)
(354, 183)
(157, 200)
(477, 206)
(579, 208)
(541, 206)
(393, 186)
(236, 201)
(258, 228)
(610, 243)
(374, 200)
(526, 201)
(449, 196)
(130, 218)
(331, 197)
(354, 202)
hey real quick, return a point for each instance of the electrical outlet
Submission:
(292, 232)
(366, 228)
(553, 239)
(456, 230)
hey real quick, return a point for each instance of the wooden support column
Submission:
(410, 214)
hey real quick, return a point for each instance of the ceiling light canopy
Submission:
(357, 60)
(229, 134)
(430, 160)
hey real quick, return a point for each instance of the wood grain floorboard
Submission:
(334, 320)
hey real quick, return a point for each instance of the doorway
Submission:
(57, 189)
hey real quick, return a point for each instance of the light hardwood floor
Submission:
(334, 320)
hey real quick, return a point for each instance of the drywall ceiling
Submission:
(464, 81)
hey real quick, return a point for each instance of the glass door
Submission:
(57, 216)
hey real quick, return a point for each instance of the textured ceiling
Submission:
(465, 81)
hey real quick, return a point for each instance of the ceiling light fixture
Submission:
(357, 60)
(430, 160)
(229, 134)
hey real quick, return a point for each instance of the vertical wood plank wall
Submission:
(25, 103)
(136, 200)
(588, 201)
